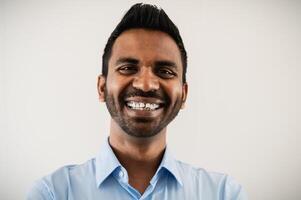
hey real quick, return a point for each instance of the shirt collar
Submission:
(169, 163)
(106, 163)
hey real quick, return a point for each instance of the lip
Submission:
(143, 113)
(145, 100)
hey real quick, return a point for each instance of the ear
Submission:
(101, 84)
(184, 94)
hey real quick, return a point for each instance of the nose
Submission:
(146, 80)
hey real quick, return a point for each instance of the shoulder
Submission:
(223, 185)
(199, 174)
(58, 182)
(63, 176)
(39, 190)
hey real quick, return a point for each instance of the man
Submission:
(143, 85)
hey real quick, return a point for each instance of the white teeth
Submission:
(142, 106)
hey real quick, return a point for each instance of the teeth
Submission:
(142, 106)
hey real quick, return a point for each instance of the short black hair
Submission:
(145, 16)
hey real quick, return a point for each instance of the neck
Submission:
(131, 153)
(142, 149)
(139, 156)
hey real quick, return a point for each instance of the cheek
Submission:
(174, 91)
(116, 85)
(112, 87)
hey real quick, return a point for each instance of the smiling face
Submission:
(143, 89)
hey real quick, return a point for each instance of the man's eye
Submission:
(127, 70)
(166, 73)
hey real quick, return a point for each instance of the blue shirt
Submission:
(104, 178)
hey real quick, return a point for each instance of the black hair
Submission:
(148, 17)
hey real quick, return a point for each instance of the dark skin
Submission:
(154, 64)
(140, 159)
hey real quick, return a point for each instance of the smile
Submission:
(135, 105)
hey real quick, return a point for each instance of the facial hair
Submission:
(129, 125)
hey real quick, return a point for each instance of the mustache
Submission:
(158, 94)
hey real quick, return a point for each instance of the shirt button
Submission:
(121, 174)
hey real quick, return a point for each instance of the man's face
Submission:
(143, 89)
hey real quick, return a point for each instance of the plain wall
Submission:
(242, 116)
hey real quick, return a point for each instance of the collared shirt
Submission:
(103, 177)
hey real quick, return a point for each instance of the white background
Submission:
(243, 111)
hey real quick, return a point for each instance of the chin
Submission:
(142, 132)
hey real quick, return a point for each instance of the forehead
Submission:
(146, 46)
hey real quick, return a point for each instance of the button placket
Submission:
(121, 174)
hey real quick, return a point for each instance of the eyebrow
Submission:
(127, 60)
(134, 61)
(165, 63)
